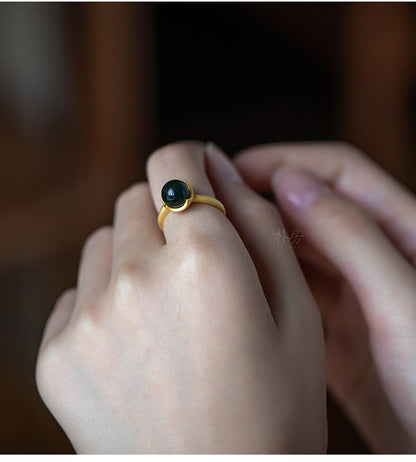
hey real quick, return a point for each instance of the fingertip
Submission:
(296, 188)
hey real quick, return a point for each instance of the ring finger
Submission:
(184, 161)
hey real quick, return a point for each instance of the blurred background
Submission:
(87, 91)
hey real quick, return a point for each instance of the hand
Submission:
(358, 256)
(203, 339)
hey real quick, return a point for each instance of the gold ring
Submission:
(177, 196)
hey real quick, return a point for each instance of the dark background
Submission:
(87, 91)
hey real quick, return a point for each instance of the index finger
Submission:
(350, 173)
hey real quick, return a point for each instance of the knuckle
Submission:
(349, 152)
(195, 260)
(358, 223)
(97, 237)
(88, 340)
(170, 153)
(86, 335)
(127, 278)
(128, 269)
(85, 325)
(202, 255)
(347, 219)
(66, 297)
(48, 363)
(133, 194)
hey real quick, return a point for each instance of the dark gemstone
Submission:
(175, 193)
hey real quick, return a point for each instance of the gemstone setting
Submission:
(175, 193)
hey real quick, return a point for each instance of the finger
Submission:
(382, 279)
(95, 265)
(325, 287)
(351, 174)
(136, 232)
(305, 251)
(184, 161)
(257, 222)
(59, 317)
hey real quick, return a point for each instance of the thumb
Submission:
(381, 278)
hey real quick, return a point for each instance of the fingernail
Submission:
(222, 163)
(297, 187)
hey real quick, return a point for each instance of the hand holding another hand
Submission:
(203, 339)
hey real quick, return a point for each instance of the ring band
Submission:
(177, 196)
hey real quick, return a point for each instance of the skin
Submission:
(201, 339)
(359, 256)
